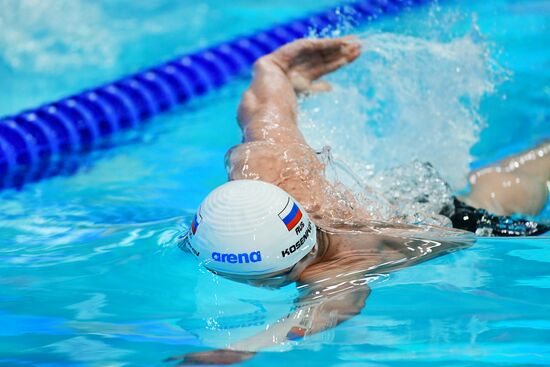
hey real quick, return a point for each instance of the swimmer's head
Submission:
(254, 232)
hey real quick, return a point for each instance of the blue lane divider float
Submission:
(43, 142)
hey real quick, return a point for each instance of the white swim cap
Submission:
(250, 228)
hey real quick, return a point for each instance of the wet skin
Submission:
(518, 184)
(350, 244)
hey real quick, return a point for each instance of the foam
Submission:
(49, 35)
(404, 102)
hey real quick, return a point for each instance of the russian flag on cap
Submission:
(290, 215)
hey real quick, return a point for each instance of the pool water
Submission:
(90, 275)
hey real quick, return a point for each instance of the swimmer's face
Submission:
(282, 278)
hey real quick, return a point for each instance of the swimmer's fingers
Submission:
(314, 58)
(320, 86)
(346, 47)
(330, 46)
(220, 356)
(327, 58)
(305, 79)
(337, 62)
(315, 87)
(338, 48)
(309, 66)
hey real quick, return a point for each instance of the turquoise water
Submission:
(89, 275)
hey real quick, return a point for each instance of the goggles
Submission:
(276, 279)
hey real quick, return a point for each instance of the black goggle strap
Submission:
(183, 239)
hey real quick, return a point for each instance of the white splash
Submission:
(57, 36)
(404, 102)
(45, 35)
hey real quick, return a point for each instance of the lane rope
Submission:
(36, 143)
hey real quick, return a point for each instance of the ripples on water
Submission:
(89, 274)
(404, 102)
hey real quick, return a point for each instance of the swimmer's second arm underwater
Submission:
(317, 310)
(335, 289)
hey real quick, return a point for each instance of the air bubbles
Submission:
(37, 38)
(405, 102)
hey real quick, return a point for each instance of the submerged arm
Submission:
(335, 291)
(321, 308)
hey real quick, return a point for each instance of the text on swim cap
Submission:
(254, 257)
(299, 228)
(298, 244)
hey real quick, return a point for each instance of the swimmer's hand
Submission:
(306, 60)
(218, 357)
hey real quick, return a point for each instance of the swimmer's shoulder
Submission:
(269, 147)
(264, 159)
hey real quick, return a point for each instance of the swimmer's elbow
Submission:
(336, 312)
(333, 317)
(354, 304)
(353, 309)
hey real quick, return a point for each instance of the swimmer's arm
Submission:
(268, 108)
(518, 184)
(319, 311)
(313, 316)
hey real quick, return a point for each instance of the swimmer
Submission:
(279, 220)
(516, 185)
